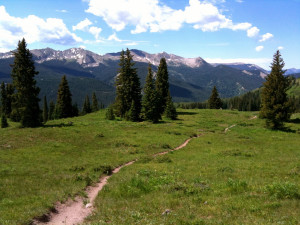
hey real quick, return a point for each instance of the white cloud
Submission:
(252, 32)
(82, 25)
(266, 37)
(154, 16)
(262, 62)
(259, 48)
(61, 10)
(114, 37)
(132, 44)
(33, 29)
(239, 1)
(280, 48)
(95, 31)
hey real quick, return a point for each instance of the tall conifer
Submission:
(162, 84)
(51, 110)
(150, 99)
(95, 106)
(275, 105)
(86, 106)
(170, 110)
(25, 99)
(63, 108)
(45, 110)
(215, 101)
(128, 88)
(3, 99)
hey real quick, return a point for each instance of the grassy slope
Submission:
(43, 165)
(248, 175)
(228, 171)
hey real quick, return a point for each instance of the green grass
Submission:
(250, 175)
(245, 176)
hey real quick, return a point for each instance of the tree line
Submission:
(156, 100)
(20, 102)
(272, 101)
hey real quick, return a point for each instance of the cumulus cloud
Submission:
(33, 29)
(82, 25)
(85, 25)
(265, 37)
(259, 48)
(153, 16)
(252, 32)
(114, 37)
(280, 48)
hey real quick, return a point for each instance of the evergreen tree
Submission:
(45, 110)
(150, 100)
(275, 105)
(75, 110)
(63, 108)
(4, 123)
(133, 113)
(25, 100)
(128, 88)
(95, 106)
(109, 115)
(214, 101)
(51, 110)
(86, 106)
(162, 84)
(170, 111)
(9, 94)
(3, 99)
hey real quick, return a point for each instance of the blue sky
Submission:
(247, 31)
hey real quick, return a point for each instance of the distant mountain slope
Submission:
(191, 79)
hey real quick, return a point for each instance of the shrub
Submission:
(110, 113)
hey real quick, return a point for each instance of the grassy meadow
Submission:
(248, 175)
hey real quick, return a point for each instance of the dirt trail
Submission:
(74, 212)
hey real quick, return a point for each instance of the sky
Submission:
(221, 31)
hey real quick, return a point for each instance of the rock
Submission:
(89, 205)
(166, 212)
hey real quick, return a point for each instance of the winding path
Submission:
(75, 211)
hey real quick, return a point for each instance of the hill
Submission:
(191, 79)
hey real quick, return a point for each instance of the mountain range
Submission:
(191, 79)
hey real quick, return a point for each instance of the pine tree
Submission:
(133, 113)
(4, 123)
(275, 105)
(109, 115)
(95, 106)
(128, 88)
(170, 111)
(214, 101)
(86, 106)
(3, 99)
(45, 110)
(150, 100)
(25, 100)
(75, 110)
(162, 84)
(9, 94)
(63, 108)
(51, 110)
